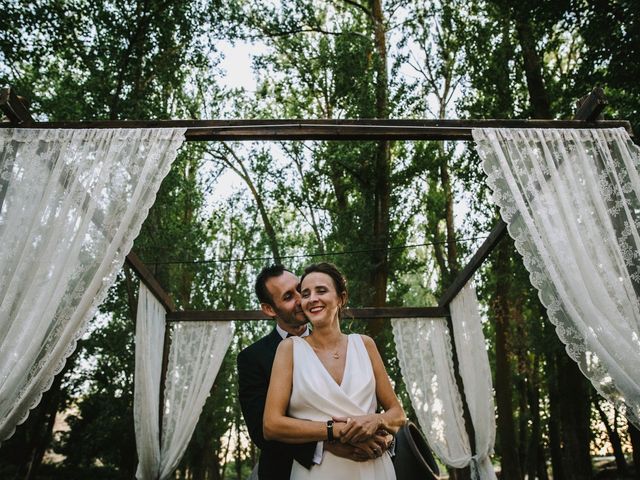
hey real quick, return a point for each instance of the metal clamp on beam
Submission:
(14, 108)
(590, 107)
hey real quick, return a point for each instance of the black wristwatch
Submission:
(330, 437)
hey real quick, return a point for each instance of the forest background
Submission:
(399, 218)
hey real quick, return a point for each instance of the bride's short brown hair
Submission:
(339, 281)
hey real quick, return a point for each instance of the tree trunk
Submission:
(523, 420)
(382, 182)
(575, 414)
(41, 432)
(239, 168)
(531, 465)
(452, 248)
(543, 474)
(614, 438)
(197, 463)
(533, 70)
(238, 452)
(39, 425)
(211, 465)
(505, 421)
(555, 443)
(133, 42)
(536, 466)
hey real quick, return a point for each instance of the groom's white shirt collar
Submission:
(283, 333)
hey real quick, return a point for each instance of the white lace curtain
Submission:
(196, 353)
(71, 204)
(473, 364)
(425, 356)
(571, 199)
(423, 346)
(150, 329)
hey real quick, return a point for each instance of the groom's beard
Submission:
(294, 319)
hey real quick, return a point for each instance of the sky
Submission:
(237, 63)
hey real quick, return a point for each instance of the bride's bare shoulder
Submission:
(285, 346)
(368, 342)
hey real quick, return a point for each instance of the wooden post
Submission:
(150, 281)
(468, 422)
(164, 298)
(497, 233)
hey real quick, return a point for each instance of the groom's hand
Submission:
(348, 451)
(384, 438)
(374, 447)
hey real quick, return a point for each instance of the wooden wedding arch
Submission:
(588, 115)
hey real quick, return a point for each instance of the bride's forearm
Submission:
(393, 419)
(292, 430)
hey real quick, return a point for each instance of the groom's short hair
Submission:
(263, 294)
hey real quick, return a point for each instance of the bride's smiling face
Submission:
(320, 301)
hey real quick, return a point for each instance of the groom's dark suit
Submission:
(254, 372)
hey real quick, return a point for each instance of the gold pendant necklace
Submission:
(335, 354)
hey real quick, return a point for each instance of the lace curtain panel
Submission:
(425, 355)
(71, 204)
(424, 351)
(195, 355)
(473, 364)
(150, 328)
(571, 199)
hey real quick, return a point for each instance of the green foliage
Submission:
(147, 60)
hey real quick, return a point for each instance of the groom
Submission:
(277, 291)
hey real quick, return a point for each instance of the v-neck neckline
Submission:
(324, 368)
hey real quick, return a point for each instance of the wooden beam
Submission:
(498, 231)
(369, 129)
(354, 313)
(14, 108)
(150, 281)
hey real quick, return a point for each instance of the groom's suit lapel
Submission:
(273, 340)
(270, 345)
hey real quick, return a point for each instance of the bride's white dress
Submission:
(315, 395)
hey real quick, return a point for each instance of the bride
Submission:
(326, 387)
